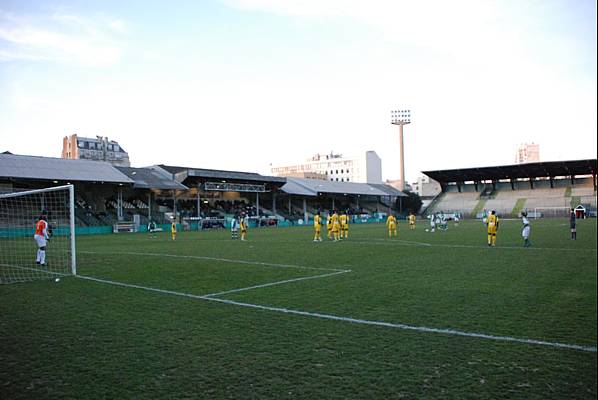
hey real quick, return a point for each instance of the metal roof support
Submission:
(119, 204)
(572, 180)
(512, 184)
(257, 204)
(551, 182)
(174, 204)
(594, 180)
(475, 185)
(198, 203)
(459, 187)
(531, 182)
(149, 206)
(274, 203)
(305, 210)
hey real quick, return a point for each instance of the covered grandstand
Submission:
(313, 195)
(544, 188)
(108, 196)
(219, 194)
(104, 194)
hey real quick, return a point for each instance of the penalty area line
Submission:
(276, 283)
(225, 260)
(422, 329)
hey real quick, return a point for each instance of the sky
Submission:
(242, 84)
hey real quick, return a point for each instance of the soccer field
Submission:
(423, 315)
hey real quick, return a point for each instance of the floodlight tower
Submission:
(400, 118)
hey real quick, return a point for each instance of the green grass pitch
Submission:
(424, 315)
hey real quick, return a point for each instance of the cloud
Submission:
(62, 38)
(433, 22)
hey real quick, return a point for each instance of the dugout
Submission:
(580, 211)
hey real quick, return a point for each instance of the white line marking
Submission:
(35, 269)
(227, 260)
(400, 241)
(276, 283)
(453, 332)
(498, 247)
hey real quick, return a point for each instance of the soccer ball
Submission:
(427, 230)
(57, 280)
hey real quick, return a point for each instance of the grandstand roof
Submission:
(516, 171)
(312, 187)
(61, 169)
(147, 178)
(183, 173)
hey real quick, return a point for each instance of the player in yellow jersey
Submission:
(391, 223)
(336, 226)
(344, 221)
(412, 219)
(317, 227)
(243, 222)
(329, 225)
(492, 228)
(173, 229)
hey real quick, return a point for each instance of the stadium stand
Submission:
(513, 188)
(127, 199)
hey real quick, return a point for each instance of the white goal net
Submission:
(21, 257)
(550, 212)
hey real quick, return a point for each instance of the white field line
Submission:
(498, 247)
(453, 332)
(35, 269)
(226, 260)
(276, 283)
(383, 241)
(399, 241)
(335, 271)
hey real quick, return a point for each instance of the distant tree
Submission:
(411, 203)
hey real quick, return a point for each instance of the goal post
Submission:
(19, 251)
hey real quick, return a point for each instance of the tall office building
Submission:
(366, 168)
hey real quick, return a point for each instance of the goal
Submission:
(550, 212)
(19, 213)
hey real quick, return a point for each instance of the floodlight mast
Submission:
(400, 118)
